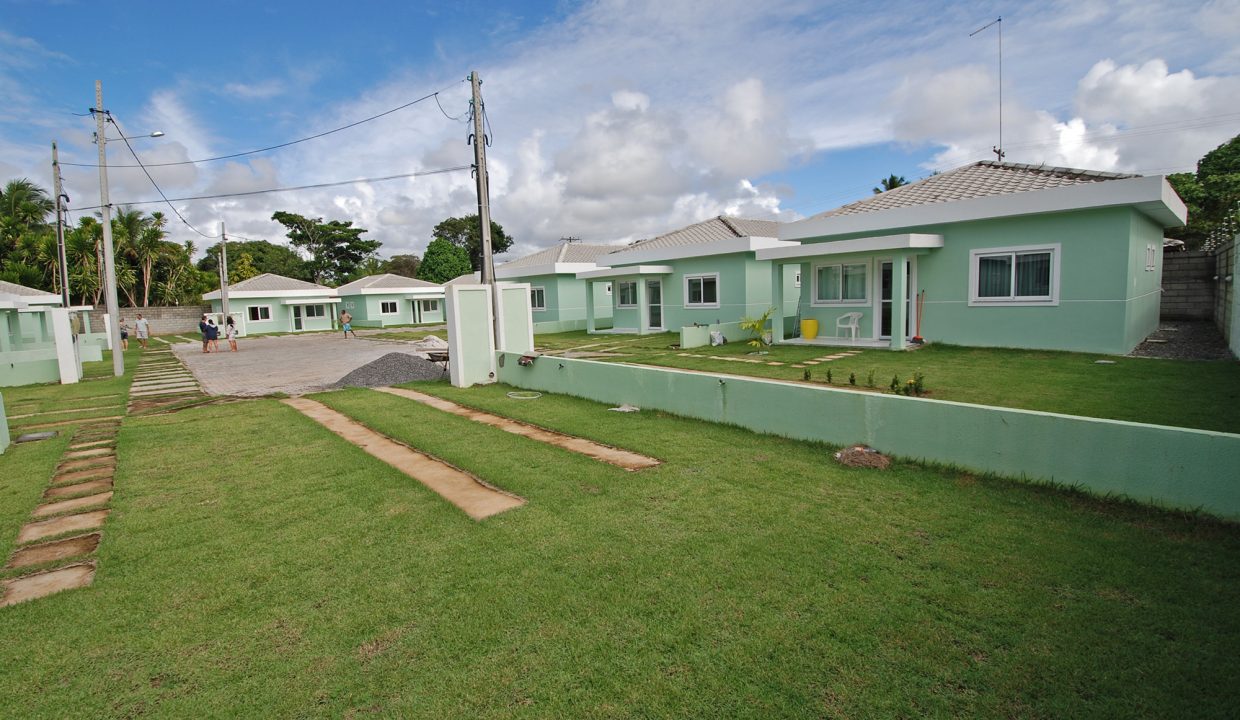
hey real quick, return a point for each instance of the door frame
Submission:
(661, 304)
(910, 293)
(298, 319)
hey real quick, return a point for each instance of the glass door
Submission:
(884, 330)
(296, 317)
(654, 296)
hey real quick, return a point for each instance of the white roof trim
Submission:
(907, 241)
(11, 302)
(559, 268)
(308, 301)
(1151, 195)
(725, 246)
(392, 291)
(424, 294)
(255, 294)
(604, 273)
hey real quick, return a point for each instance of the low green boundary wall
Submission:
(4, 427)
(1174, 467)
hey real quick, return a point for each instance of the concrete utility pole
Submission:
(480, 170)
(223, 267)
(109, 257)
(60, 229)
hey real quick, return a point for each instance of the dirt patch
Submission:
(86, 488)
(613, 456)
(476, 498)
(56, 526)
(43, 584)
(86, 501)
(863, 457)
(55, 550)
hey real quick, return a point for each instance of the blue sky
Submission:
(611, 120)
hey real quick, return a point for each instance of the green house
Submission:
(40, 341)
(989, 254)
(700, 278)
(387, 299)
(557, 295)
(271, 303)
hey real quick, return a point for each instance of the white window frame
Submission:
(869, 284)
(620, 294)
(308, 315)
(395, 307)
(260, 308)
(1051, 300)
(703, 277)
(541, 291)
(429, 305)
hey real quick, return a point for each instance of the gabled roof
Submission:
(981, 179)
(563, 252)
(273, 282)
(386, 281)
(10, 288)
(718, 228)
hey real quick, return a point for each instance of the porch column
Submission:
(643, 307)
(589, 307)
(45, 332)
(19, 342)
(899, 301)
(777, 302)
(5, 331)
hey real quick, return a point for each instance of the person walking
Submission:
(142, 329)
(202, 328)
(124, 334)
(230, 333)
(346, 322)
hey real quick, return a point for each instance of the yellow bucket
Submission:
(809, 328)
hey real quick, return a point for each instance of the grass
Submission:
(99, 388)
(1196, 394)
(245, 572)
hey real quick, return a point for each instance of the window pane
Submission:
(695, 291)
(854, 282)
(829, 282)
(994, 276)
(710, 291)
(1033, 275)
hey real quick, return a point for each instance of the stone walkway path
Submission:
(161, 380)
(755, 361)
(475, 497)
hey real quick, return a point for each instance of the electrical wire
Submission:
(463, 117)
(284, 144)
(148, 177)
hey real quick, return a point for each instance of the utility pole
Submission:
(222, 261)
(479, 139)
(109, 257)
(60, 229)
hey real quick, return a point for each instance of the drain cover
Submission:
(31, 437)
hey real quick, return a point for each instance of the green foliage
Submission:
(891, 182)
(895, 384)
(267, 257)
(336, 248)
(757, 326)
(1212, 196)
(242, 268)
(465, 232)
(869, 379)
(829, 378)
(404, 265)
(806, 375)
(443, 261)
(852, 378)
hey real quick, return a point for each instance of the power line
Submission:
(148, 177)
(314, 186)
(285, 144)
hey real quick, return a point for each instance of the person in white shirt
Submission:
(142, 329)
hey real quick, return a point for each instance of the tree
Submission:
(890, 182)
(24, 208)
(406, 265)
(1212, 196)
(336, 248)
(443, 261)
(466, 232)
(242, 269)
(267, 257)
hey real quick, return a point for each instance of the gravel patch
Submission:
(392, 369)
(1184, 340)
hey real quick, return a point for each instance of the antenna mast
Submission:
(997, 149)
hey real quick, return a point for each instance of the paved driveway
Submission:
(293, 364)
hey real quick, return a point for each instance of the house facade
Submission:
(271, 303)
(386, 300)
(38, 342)
(990, 254)
(557, 295)
(703, 277)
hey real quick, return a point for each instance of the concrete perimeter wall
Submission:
(1226, 299)
(1188, 286)
(1174, 467)
(4, 427)
(164, 320)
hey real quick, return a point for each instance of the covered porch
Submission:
(637, 297)
(859, 292)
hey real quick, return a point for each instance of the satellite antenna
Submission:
(997, 149)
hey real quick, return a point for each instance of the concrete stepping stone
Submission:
(86, 488)
(774, 362)
(169, 391)
(31, 587)
(105, 443)
(152, 377)
(94, 437)
(55, 550)
(63, 423)
(87, 453)
(95, 462)
(61, 506)
(62, 412)
(78, 476)
(160, 384)
(799, 367)
(477, 499)
(811, 362)
(606, 453)
(40, 529)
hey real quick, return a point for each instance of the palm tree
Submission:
(24, 208)
(147, 248)
(890, 183)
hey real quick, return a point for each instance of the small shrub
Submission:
(852, 378)
(919, 384)
(805, 375)
(828, 376)
(869, 379)
(895, 384)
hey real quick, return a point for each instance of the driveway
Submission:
(293, 364)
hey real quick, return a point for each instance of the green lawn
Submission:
(99, 388)
(1197, 394)
(246, 572)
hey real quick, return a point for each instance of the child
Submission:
(124, 334)
(230, 332)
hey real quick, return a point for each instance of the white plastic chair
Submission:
(850, 322)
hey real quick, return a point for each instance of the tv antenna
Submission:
(997, 149)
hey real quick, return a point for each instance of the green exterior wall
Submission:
(1108, 302)
(469, 336)
(564, 301)
(515, 319)
(1174, 467)
(4, 427)
(367, 310)
(281, 316)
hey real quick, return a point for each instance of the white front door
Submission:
(654, 299)
(297, 317)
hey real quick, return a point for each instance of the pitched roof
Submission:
(270, 282)
(980, 179)
(562, 252)
(714, 229)
(386, 281)
(21, 290)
